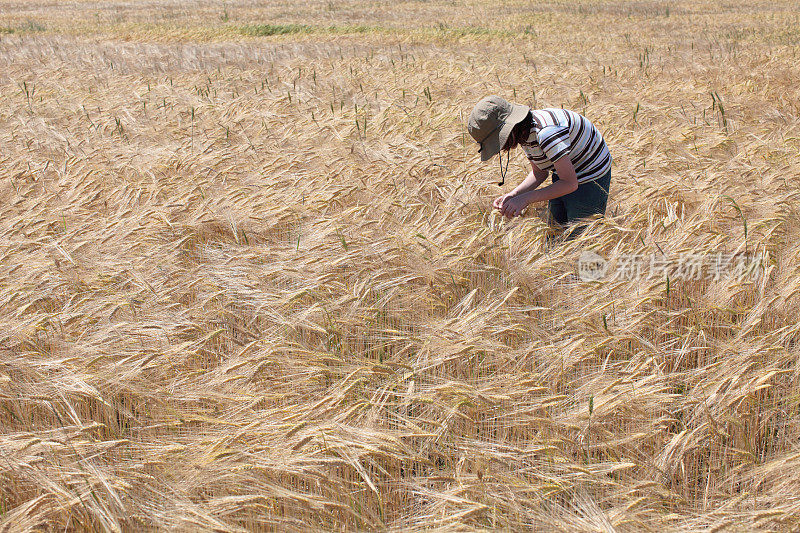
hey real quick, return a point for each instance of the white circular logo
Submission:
(591, 266)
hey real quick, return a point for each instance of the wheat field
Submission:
(251, 279)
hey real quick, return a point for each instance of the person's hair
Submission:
(520, 131)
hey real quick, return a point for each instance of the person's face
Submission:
(512, 141)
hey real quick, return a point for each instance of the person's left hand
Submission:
(498, 202)
(513, 206)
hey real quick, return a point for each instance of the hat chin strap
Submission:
(503, 172)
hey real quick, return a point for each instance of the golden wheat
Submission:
(251, 278)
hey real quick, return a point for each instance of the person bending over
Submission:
(557, 140)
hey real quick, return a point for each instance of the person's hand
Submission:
(513, 206)
(498, 202)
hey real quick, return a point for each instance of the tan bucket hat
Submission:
(491, 122)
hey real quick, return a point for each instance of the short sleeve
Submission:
(554, 142)
(528, 152)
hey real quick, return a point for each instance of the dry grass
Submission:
(250, 279)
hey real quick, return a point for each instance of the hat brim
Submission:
(497, 139)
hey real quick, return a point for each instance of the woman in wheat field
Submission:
(553, 139)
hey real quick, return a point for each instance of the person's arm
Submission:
(535, 178)
(567, 183)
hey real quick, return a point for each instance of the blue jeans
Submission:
(589, 199)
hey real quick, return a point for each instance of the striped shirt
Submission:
(560, 132)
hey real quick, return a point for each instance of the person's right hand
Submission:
(498, 202)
